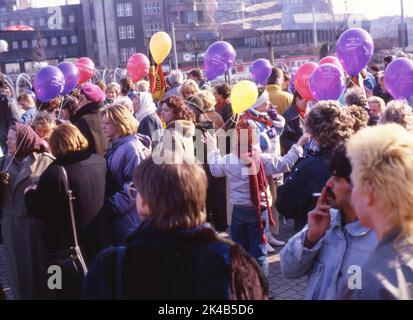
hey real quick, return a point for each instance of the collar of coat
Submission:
(90, 108)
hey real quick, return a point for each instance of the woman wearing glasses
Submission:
(173, 254)
(124, 154)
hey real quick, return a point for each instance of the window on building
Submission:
(72, 18)
(152, 7)
(34, 43)
(131, 32)
(44, 42)
(22, 22)
(73, 39)
(64, 40)
(32, 22)
(3, 25)
(120, 10)
(25, 44)
(122, 32)
(42, 21)
(15, 45)
(124, 54)
(128, 9)
(54, 41)
(192, 17)
(132, 51)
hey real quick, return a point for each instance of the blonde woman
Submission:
(382, 196)
(188, 88)
(125, 152)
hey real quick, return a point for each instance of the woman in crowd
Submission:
(86, 175)
(174, 254)
(329, 125)
(180, 128)
(22, 233)
(382, 195)
(145, 113)
(399, 112)
(188, 88)
(69, 109)
(88, 118)
(112, 92)
(125, 152)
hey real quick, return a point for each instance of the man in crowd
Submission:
(278, 97)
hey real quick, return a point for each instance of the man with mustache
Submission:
(333, 241)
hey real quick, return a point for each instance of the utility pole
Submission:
(403, 27)
(315, 27)
(174, 44)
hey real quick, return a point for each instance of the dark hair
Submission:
(183, 206)
(179, 108)
(101, 85)
(296, 95)
(126, 85)
(287, 76)
(223, 89)
(388, 59)
(340, 165)
(356, 96)
(275, 76)
(360, 116)
(52, 105)
(71, 105)
(197, 73)
(1, 80)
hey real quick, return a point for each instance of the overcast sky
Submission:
(371, 8)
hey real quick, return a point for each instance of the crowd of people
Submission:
(141, 190)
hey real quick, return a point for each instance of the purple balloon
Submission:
(260, 71)
(398, 78)
(72, 75)
(49, 83)
(354, 50)
(327, 82)
(219, 58)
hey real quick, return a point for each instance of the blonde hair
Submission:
(114, 87)
(398, 111)
(143, 86)
(208, 99)
(46, 121)
(126, 102)
(383, 157)
(121, 117)
(65, 139)
(189, 87)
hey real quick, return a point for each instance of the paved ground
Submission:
(280, 288)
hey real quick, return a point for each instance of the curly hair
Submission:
(398, 111)
(179, 108)
(360, 115)
(329, 124)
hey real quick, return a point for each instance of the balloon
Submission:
(138, 66)
(49, 83)
(4, 46)
(327, 82)
(86, 69)
(72, 75)
(398, 78)
(160, 45)
(302, 79)
(244, 94)
(219, 58)
(260, 71)
(354, 50)
(331, 59)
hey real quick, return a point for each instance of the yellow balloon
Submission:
(243, 95)
(160, 45)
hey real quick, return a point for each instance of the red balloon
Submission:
(138, 66)
(331, 59)
(302, 79)
(86, 69)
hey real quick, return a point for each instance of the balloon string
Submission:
(230, 119)
(24, 137)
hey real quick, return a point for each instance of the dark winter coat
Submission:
(308, 176)
(149, 124)
(86, 175)
(9, 115)
(293, 129)
(88, 120)
(189, 264)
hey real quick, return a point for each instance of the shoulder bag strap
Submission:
(72, 213)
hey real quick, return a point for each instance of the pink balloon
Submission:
(302, 79)
(138, 66)
(86, 69)
(331, 59)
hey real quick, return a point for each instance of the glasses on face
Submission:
(132, 191)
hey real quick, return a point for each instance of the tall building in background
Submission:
(7, 5)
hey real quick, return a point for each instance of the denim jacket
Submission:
(327, 264)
